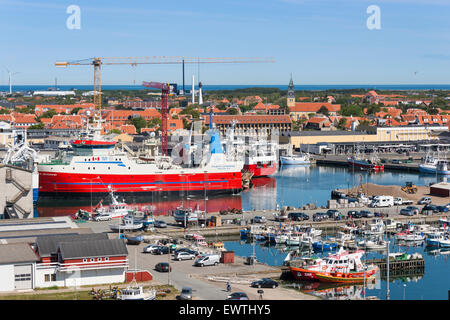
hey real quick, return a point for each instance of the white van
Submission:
(207, 260)
(382, 201)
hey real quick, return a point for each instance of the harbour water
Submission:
(290, 186)
(433, 284)
(297, 186)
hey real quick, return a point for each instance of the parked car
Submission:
(353, 214)
(415, 210)
(298, 216)
(195, 253)
(184, 255)
(424, 200)
(163, 250)
(402, 202)
(103, 217)
(186, 293)
(366, 214)
(429, 208)
(259, 219)
(318, 216)
(442, 208)
(265, 283)
(406, 212)
(160, 224)
(333, 214)
(396, 161)
(238, 296)
(150, 248)
(207, 260)
(163, 267)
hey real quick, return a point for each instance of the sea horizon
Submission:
(310, 87)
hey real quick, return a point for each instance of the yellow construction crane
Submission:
(134, 61)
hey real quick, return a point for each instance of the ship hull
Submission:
(365, 165)
(264, 171)
(71, 185)
(294, 161)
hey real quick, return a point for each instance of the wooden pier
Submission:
(399, 266)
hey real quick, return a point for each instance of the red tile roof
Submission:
(249, 119)
(314, 107)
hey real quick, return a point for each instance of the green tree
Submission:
(341, 124)
(351, 110)
(49, 114)
(5, 111)
(372, 108)
(36, 126)
(232, 111)
(154, 122)
(117, 131)
(75, 110)
(138, 122)
(323, 110)
(221, 106)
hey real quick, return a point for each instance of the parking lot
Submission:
(185, 274)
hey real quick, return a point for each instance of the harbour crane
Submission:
(97, 62)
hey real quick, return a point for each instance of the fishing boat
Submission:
(136, 292)
(349, 277)
(94, 163)
(126, 225)
(432, 239)
(413, 236)
(185, 215)
(364, 163)
(135, 240)
(117, 209)
(293, 240)
(261, 159)
(444, 243)
(308, 270)
(434, 165)
(324, 246)
(199, 241)
(373, 245)
(302, 159)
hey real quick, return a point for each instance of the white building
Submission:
(55, 93)
(17, 267)
(63, 261)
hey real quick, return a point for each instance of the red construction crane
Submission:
(165, 88)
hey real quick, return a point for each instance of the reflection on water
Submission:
(290, 186)
(48, 207)
(333, 291)
(429, 283)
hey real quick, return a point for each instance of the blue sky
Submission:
(318, 41)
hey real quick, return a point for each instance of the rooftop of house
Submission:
(89, 248)
(17, 253)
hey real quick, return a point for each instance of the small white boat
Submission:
(295, 159)
(415, 236)
(136, 292)
(126, 225)
(444, 243)
(374, 245)
(293, 240)
(117, 209)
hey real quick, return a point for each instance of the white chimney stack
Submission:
(200, 98)
(193, 90)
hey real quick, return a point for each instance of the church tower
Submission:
(291, 94)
